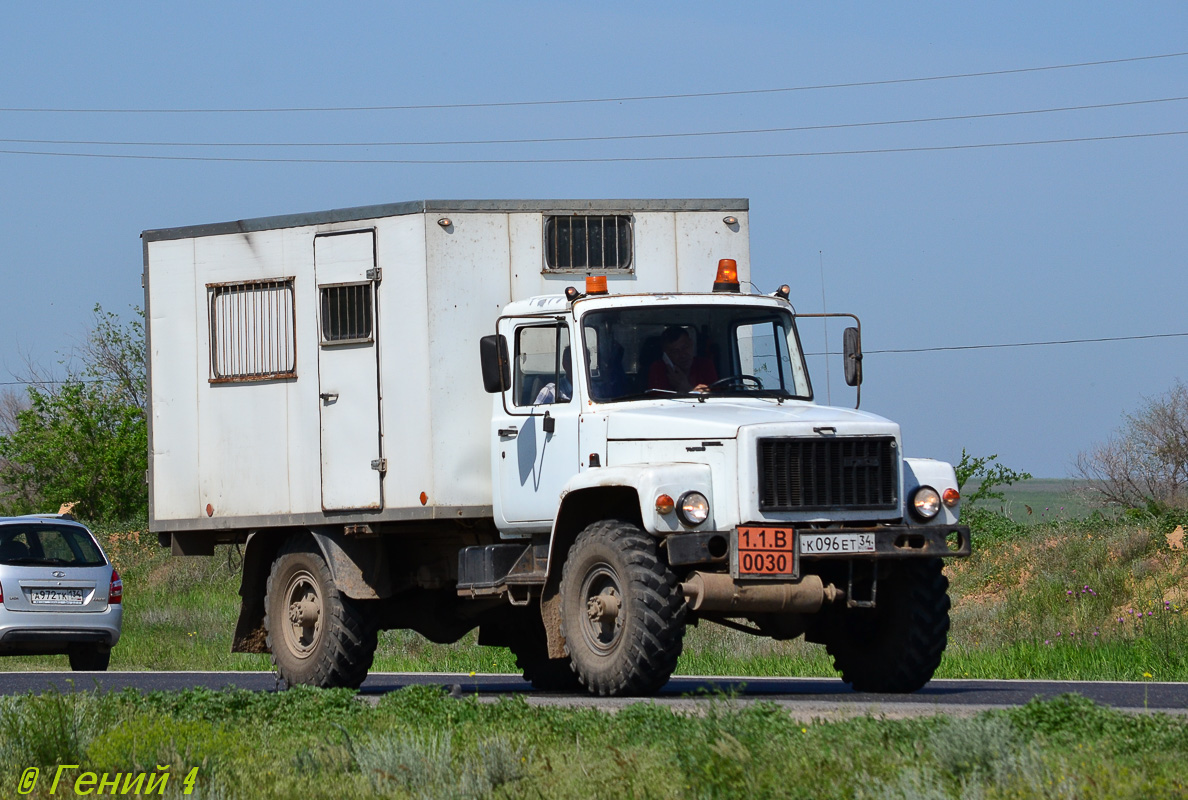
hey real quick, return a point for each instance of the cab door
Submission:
(531, 462)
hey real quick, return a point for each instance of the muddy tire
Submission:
(897, 646)
(622, 612)
(89, 657)
(531, 649)
(317, 636)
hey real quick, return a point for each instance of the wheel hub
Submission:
(604, 607)
(304, 613)
(603, 623)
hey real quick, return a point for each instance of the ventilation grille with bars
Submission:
(588, 242)
(252, 330)
(346, 313)
(828, 474)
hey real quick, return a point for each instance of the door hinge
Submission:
(380, 465)
(375, 274)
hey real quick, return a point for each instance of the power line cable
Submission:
(623, 137)
(593, 160)
(623, 99)
(1026, 344)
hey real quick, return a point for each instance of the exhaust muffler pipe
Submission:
(714, 591)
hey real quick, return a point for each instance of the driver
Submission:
(678, 369)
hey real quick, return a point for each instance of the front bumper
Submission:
(907, 541)
(890, 542)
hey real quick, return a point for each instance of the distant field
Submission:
(1042, 500)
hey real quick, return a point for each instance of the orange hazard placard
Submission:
(765, 551)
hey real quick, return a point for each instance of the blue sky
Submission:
(932, 248)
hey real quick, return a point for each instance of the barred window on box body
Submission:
(588, 242)
(346, 313)
(252, 330)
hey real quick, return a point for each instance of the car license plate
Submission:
(765, 551)
(60, 597)
(828, 544)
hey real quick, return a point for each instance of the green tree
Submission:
(84, 439)
(988, 473)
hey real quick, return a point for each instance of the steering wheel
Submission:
(739, 379)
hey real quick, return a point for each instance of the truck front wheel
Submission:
(317, 636)
(896, 646)
(622, 612)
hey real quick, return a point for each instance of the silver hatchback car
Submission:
(61, 593)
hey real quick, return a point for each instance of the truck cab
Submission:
(686, 424)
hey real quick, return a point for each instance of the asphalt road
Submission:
(806, 697)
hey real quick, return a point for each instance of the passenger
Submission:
(678, 369)
(549, 393)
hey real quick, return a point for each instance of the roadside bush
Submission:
(1144, 465)
(297, 704)
(975, 745)
(424, 766)
(140, 743)
(991, 526)
(51, 728)
(912, 783)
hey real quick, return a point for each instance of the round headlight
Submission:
(926, 502)
(693, 508)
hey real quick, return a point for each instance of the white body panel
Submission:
(251, 453)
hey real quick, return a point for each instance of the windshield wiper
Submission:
(642, 395)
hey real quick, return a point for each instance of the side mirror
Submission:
(496, 364)
(853, 354)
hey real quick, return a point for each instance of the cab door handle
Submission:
(509, 433)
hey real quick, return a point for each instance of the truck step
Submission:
(489, 569)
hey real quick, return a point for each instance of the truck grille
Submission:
(821, 474)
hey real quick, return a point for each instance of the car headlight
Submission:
(926, 502)
(692, 509)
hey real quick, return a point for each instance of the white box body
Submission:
(390, 426)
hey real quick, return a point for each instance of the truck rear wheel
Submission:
(896, 646)
(317, 636)
(622, 612)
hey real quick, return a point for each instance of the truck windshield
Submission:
(697, 349)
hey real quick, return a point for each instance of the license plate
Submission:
(60, 597)
(827, 544)
(765, 551)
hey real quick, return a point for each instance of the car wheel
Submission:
(89, 657)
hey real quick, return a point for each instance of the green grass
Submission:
(420, 743)
(1034, 601)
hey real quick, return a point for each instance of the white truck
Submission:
(565, 423)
